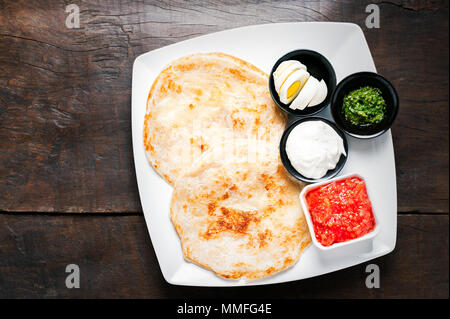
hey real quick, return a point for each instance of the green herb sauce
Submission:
(364, 106)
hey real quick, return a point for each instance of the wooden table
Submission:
(68, 189)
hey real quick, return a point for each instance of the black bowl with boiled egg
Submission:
(359, 81)
(330, 173)
(289, 86)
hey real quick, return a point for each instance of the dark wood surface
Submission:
(65, 143)
(117, 261)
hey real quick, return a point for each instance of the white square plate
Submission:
(345, 47)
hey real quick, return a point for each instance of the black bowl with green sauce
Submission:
(364, 105)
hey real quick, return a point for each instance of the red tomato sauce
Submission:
(340, 211)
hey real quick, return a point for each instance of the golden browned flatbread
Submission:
(239, 215)
(205, 99)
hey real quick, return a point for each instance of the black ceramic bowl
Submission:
(292, 170)
(354, 82)
(317, 66)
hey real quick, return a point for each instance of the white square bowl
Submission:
(344, 45)
(348, 245)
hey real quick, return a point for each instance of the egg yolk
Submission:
(290, 73)
(293, 89)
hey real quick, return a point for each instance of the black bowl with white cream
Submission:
(313, 149)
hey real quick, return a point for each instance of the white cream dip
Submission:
(313, 148)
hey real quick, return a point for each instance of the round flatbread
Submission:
(239, 215)
(201, 100)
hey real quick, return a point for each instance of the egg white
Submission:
(320, 95)
(284, 70)
(306, 94)
(298, 76)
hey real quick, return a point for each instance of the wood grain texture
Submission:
(117, 260)
(65, 144)
(65, 135)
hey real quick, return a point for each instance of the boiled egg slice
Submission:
(284, 70)
(320, 95)
(291, 87)
(306, 94)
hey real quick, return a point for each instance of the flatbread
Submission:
(239, 215)
(202, 100)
